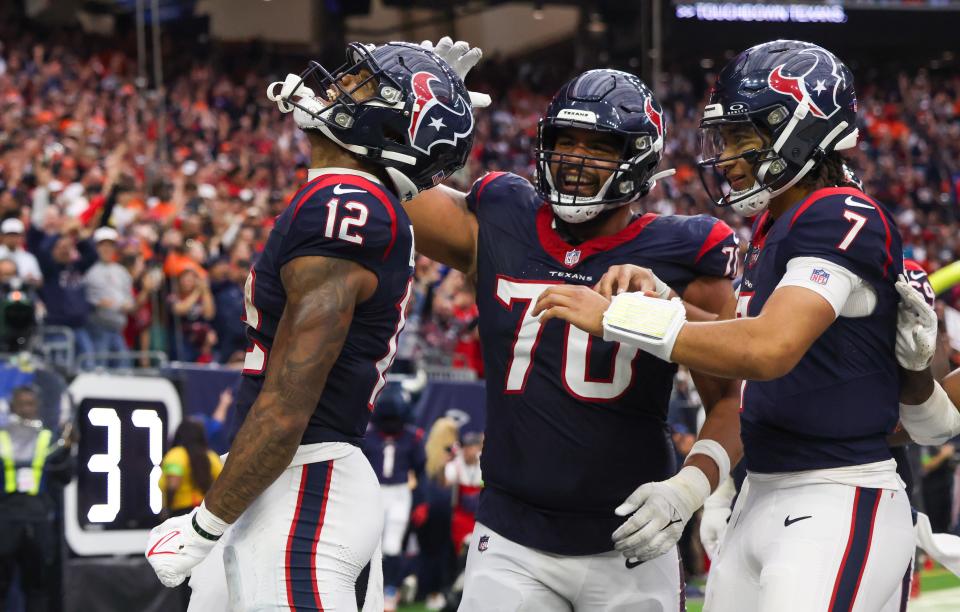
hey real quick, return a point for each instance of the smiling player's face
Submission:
(565, 164)
(739, 170)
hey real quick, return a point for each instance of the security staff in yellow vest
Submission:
(32, 461)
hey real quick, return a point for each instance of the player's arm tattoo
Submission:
(321, 295)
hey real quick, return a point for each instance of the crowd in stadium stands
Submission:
(79, 149)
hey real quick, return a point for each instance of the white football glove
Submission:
(659, 512)
(175, 547)
(916, 328)
(461, 59)
(716, 513)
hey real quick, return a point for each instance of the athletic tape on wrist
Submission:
(714, 450)
(934, 421)
(650, 324)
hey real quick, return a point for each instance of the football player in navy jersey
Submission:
(325, 303)
(575, 425)
(825, 524)
(395, 450)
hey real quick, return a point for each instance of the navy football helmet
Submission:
(797, 97)
(608, 101)
(392, 409)
(417, 124)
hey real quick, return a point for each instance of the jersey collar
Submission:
(313, 173)
(569, 255)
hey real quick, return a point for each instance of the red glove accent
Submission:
(419, 515)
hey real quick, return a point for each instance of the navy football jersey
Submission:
(836, 407)
(393, 456)
(574, 423)
(338, 214)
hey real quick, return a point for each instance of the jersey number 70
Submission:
(575, 371)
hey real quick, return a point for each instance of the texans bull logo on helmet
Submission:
(822, 95)
(433, 121)
(655, 116)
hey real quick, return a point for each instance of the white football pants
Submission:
(503, 576)
(303, 543)
(397, 500)
(813, 548)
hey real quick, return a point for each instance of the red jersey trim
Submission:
(558, 248)
(717, 234)
(353, 180)
(856, 193)
(485, 180)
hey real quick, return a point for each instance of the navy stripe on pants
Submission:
(845, 588)
(301, 543)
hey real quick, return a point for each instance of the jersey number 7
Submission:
(575, 371)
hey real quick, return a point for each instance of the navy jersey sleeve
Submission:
(495, 189)
(849, 229)
(713, 246)
(342, 220)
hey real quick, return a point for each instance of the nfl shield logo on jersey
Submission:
(571, 258)
(820, 276)
(482, 545)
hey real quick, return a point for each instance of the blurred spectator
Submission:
(140, 327)
(463, 475)
(193, 309)
(939, 466)
(451, 331)
(215, 424)
(64, 259)
(432, 517)
(28, 268)
(8, 274)
(28, 508)
(189, 469)
(110, 294)
(228, 304)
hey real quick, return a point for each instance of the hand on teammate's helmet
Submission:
(916, 328)
(461, 57)
(174, 548)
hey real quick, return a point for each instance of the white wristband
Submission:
(714, 450)
(209, 522)
(648, 323)
(934, 421)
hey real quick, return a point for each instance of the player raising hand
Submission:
(578, 465)
(325, 303)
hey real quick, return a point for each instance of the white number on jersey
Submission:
(576, 356)
(359, 220)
